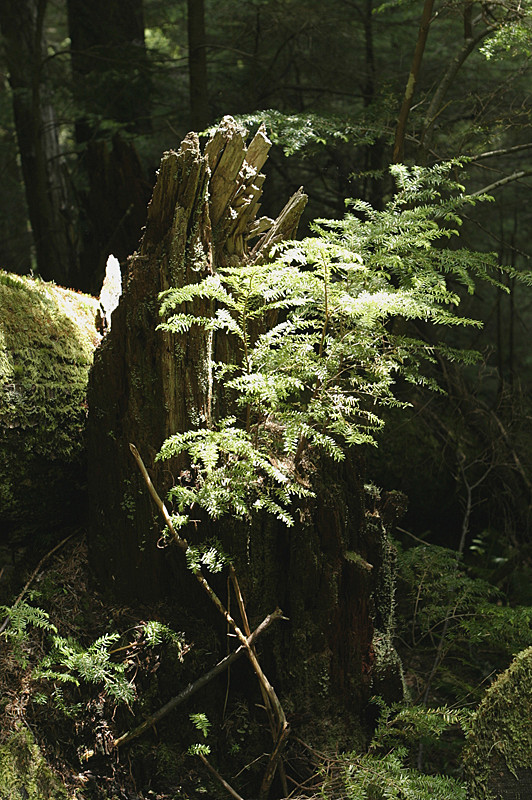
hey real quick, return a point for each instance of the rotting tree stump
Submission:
(332, 573)
(147, 384)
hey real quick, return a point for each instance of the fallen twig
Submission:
(192, 688)
(281, 727)
(33, 575)
(219, 777)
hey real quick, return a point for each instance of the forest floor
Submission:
(60, 718)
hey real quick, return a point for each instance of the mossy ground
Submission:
(24, 773)
(47, 340)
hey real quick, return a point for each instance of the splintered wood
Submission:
(146, 383)
(235, 190)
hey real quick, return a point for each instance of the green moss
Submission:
(499, 743)
(47, 340)
(24, 773)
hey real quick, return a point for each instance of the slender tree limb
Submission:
(452, 70)
(273, 762)
(219, 778)
(278, 711)
(274, 722)
(183, 544)
(194, 687)
(399, 142)
(33, 575)
(515, 176)
(501, 152)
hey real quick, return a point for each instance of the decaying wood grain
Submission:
(147, 384)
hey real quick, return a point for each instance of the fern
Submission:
(322, 335)
(69, 662)
(383, 772)
(387, 777)
(21, 617)
(201, 723)
(157, 633)
(209, 555)
(199, 749)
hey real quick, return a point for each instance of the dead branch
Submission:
(219, 778)
(515, 176)
(281, 724)
(194, 687)
(33, 575)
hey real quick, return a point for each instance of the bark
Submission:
(51, 212)
(325, 573)
(112, 85)
(399, 143)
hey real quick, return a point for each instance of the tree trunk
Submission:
(197, 65)
(112, 89)
(110, 67)
(51, 212)
(327, 571)
(113, 209)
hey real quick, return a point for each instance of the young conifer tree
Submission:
(324, 331)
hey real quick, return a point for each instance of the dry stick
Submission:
(276, 725)
(32, 577)
(219, 777)
(272, 764)
(263, 680)
(183, 544)
(192, 688)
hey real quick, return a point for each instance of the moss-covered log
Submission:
(47, 340)
(498, 753)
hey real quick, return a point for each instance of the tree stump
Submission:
(147, 384)
(332, 572)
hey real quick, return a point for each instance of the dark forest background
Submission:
(92, 94)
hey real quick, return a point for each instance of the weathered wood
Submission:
(147, 384)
